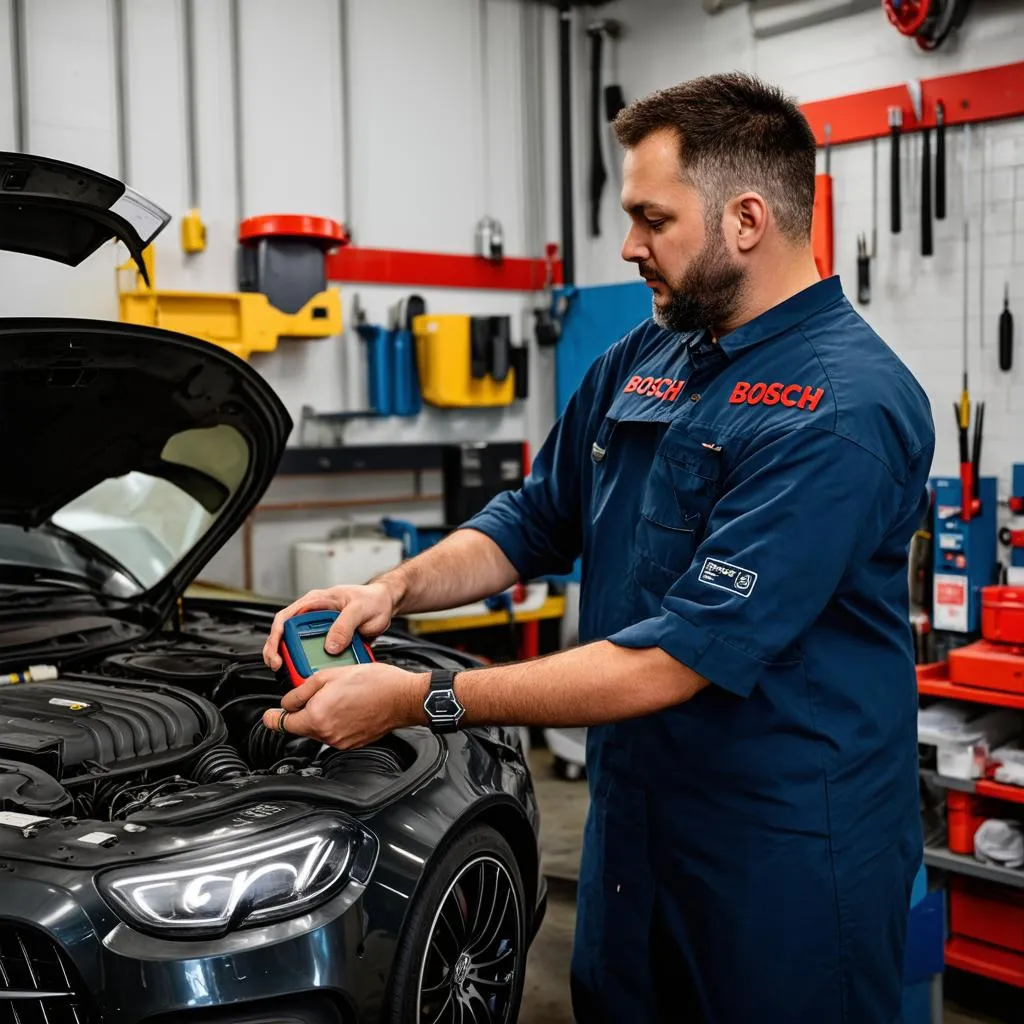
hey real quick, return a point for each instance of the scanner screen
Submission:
(313, 648)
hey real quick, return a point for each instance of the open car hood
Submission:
(62, 212)
(143, 446)
(115, 432)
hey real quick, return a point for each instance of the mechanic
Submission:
(742, 475)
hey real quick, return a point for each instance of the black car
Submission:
(163, 856)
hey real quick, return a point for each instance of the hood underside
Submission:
(91, 404)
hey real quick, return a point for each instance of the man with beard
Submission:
(742, 475)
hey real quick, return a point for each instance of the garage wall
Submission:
(425, 160)
(917, 303)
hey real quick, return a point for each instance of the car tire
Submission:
(449, 966)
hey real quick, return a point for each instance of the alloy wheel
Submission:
(468, 971)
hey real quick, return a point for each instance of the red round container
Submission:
(1002, 614)
(963, 819)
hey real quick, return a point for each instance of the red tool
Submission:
(822, 237)
(970, 461)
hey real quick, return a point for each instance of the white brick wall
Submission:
(916, 302)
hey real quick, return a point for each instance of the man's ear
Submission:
(747, 215)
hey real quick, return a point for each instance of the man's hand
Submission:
(350, 707)
(366, 610)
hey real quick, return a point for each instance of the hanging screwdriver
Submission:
(940, 161)
(1006, 333)
(927, 244)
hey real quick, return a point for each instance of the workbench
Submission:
(552, 608)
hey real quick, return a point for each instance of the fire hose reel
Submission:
(928, 22)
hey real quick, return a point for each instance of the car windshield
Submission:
(127, 533)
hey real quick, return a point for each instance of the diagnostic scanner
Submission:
(302, 646)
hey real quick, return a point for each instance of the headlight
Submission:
(198, 895)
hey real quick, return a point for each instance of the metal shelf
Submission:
(980, 787)
(947, 781)
(360, 458)
(958, 864)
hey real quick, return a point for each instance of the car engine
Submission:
(173, 727)
(107, 749)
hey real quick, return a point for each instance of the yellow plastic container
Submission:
(444, 360)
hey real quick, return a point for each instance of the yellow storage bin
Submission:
(444, 357)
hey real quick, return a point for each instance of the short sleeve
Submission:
(799, 510)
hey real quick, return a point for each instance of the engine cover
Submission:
(62, 727)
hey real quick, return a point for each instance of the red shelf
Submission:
(933, 681)
(999, 791)
(989, 961)
(440, 270)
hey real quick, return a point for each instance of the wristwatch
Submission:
(442, 706)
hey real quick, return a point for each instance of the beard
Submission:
(707, 295)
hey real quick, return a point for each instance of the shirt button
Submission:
(695, 397)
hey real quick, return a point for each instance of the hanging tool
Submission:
(822, 237)
(940, 160)
(193, 230)
(895, 124)
(608, 102)
(864, 257)
(927, 242)
(863, 271)
(1006, 333)
(964, 411)
(970, 461)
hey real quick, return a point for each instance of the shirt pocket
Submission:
(679, 493)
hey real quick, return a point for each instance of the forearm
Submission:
(466, 566)
(585, 686)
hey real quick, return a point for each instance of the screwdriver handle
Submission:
(927, 245)
(940, 162)
(863, 279)
(1006, 337)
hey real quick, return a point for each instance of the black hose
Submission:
(565, 114)
(221, 763)
(379, 760)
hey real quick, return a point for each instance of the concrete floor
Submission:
(546, 996)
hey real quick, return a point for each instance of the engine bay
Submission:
(173, 726)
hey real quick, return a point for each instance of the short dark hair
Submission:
(735, 133)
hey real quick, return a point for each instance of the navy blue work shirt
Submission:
(745, 505)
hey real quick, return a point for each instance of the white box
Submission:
(345, 560)
(965, 735)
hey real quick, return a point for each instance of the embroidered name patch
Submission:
(728, 577)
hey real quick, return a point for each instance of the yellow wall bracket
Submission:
(241, 322)
(193, 232)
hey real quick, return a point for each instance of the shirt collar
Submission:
(782, 317)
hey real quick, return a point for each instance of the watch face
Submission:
(443, 704)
